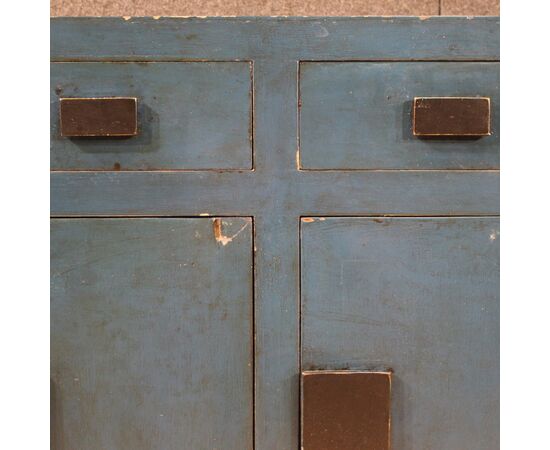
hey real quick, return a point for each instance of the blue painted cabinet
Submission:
(274, 214)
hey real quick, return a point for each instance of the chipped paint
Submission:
(218, 232)
(308, 219)
(204, 214)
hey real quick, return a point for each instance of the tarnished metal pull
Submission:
(451, 116)
(98, 117)
(346, 410)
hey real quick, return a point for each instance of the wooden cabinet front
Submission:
(277, 217)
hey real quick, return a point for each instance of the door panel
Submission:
(418, 296)
(151, 333)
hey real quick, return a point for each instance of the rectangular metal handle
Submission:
(98, 117)
(451, 116)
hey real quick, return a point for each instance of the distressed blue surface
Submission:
(292, 38)
(190, 116)
(277, 193)
(358, 115)
(151, 338)
(418, 296)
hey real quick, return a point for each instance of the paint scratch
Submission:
(320, 31)
(220, 237)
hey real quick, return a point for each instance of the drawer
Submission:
(191, 115)
(359, 115)
(417, 297)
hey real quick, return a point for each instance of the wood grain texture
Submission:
(290, 39)
(277, 262)
(151, 338)
(242, 7)
(358, 115)
(418, 296)
(195, 115)
(305, 193)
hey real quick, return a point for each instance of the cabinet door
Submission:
(151, 333)
(419, 297)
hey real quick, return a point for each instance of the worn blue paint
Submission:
(358, 115)
(276, 193)
(190, 116)
(292, 38)
(418, 296)
(151, 337)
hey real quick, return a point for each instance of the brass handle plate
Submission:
(451, 116)
(98, 117)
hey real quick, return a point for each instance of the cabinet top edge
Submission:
(275, 38)
(259, 19)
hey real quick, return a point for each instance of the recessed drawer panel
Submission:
(417, 297)
(360, 115)
(192, 115)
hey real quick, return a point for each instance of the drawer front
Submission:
(419, 297)
(359, 115)
(151, 334)
(192, 115)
